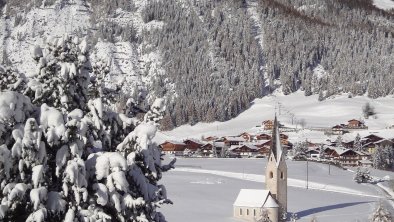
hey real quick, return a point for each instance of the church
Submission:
(250, 203)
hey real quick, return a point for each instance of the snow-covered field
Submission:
(205, 189)
(384, 4)
(290, 110)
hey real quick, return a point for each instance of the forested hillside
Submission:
(211, 58)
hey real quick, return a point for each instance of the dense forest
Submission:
(216, 56)
(219, 68)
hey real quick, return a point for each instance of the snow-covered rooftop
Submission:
(251, 198)
(384, 4)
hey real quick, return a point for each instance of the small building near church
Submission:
(250, 204)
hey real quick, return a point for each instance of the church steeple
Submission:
(276, 148)
(276, 170)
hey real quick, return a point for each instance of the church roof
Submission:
(276, 147)
(255, 198)
(270, 203)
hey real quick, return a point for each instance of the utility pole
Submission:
(307, 174)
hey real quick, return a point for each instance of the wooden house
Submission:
(263, 136)
(338, 130)
(247, 136)
(192, 144)
(355, 124)
(233, 140)
(268, 124)
(173, 147)
(246, 150)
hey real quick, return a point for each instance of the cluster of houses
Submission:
(346, 152)
(246, 144)
(243, 145)
(352, 125)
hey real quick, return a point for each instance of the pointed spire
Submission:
(276, 147)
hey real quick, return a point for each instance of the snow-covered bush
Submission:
(11, 80)
(362, 175)
(65, 155)
(381, 214)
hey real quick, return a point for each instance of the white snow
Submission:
(384, 4)
(330, 197)
(251, 198)
(291, 109)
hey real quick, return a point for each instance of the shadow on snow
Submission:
(326, 208)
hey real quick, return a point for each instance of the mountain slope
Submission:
(210, 59)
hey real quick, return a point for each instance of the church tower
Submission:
(276, 171)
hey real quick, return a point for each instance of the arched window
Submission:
(271, 158)
(281, 175)
(247, 211)
(254, 212)
(271, 175)
(240, 211)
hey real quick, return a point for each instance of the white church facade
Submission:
(251, 204)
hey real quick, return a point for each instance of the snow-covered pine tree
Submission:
(379, 158)
(65, 155)
(381, 214)
(357, 143)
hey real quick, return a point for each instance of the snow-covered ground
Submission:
(290, 110)
(384, 4)
(205, 189)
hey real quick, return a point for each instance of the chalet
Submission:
(365, 163)
(284, 139)
(209, 138)
(173, 147)
(268, 124)
(312, 153)
(263, 136)
(371, 147)
(206, 150)
(247, 136)
(264, 147)
(233, 140)
(346, 157)
(355, 124)
(369, 142)
(192, 144)
(246, 150)
(338, 130)
(371, 138)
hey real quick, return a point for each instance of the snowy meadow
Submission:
(205, 189)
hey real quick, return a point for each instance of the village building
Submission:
(263, 136)
(338, 130)
(245, 150)
(233, 140)
(209, 138)
(173, 147)
(247, 136)
(268, 125)
(355, 124)
(365, 163)
(264, 147)
(250, 204)
(192, 144)
(345, 157)
(206, 150)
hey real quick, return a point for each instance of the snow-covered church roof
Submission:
(255, 198)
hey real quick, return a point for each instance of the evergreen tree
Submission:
(362, 175)
(69, 156)
(381, 214)
(357, 143)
